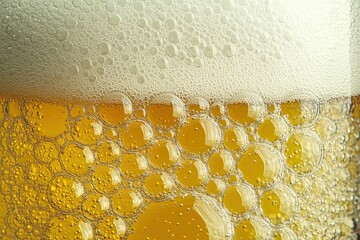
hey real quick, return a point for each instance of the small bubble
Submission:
(73, 70)
(121, 35)
(92, 78)
(61, 35)
(114, 19)
(162, 62)
(198, 63)
(142, 22)
(192, 51)
(209, 51)
(170, 23)
(189, 17)
(86, 63)
(110, 6)
(110, 61)
(104, 48)
(139, 6)
(70, 23)
(68, 46)
(100, 70)
(174, 36)
(171, 50)
(84, 50)
(141, 79)
(228, 50)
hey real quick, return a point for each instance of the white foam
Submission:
(213, 49)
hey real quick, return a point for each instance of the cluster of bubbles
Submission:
(210, 170)
(87, 48)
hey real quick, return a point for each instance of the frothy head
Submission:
(213, 49)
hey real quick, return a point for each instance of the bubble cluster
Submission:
(89, 49)
(203, 173)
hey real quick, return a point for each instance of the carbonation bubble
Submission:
(77, 110)
(192, 52)
(198, 105)
(182, 218)
(279, 204)
(69, 227)
(171, 50)
(272, 128)
(163, 154)
(107, 152)
(136, 135)
(48, 119)
(65, 193)
(126, 202)
(158, 184)
(76, 160)
(95, 205)
(115, 109)
(239, 199)
(133, 166)
(325, 127)
(142, 22)
(245, 113)
(228, 50)
(162, 62)
(114, 19)
(191, 173)
(303, 152)
(87, 130)
(73, 70)
(106, 179)
(299, 112)
(260, 165)
(104, 48)
(235, 138)
(111, 228)
(198, 134)
(70, 23)
(210, 51)
(215, 187)
(174, 36)
(220, 163)
(61, 34)
(254, 228)
(86, 64)
(165, 111)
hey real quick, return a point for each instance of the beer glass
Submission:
(179, 119)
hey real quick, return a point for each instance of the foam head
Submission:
(213, 49)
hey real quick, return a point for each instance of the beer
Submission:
(176, 120)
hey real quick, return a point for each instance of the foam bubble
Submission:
(199, 48)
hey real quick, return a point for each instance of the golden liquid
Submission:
(175, 169)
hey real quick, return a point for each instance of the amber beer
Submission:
(179, 120)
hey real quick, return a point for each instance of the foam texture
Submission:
(214, 49)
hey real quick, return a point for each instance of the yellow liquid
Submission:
(176, 169)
